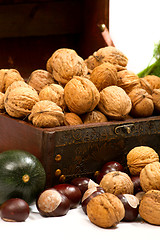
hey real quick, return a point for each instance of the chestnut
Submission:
(136, 182)
(52, 203)
(71, 191)
(83, 183)
(131, 205)
(89, 194)
(15, 210)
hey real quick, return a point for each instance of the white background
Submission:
(134, 28)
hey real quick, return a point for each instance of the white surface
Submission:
(134, 28)
(75, 225)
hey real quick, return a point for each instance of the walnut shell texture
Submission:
(149, 208)
(127, 80)
(20, 101)
(114, 103)
(112, 55)
(94, 116)
(104, 75)
(2, 83)
(55, 93)
(2, 108)
(72, 119)
(153, 80)
(142, 103)
(65, 64)
(117, 182)
(39, 79)
(156, 99)
(150, 177)
(105, 210)
(146, 85)
(139, 157)
(46, 113)
(91, 62)
(81, 95)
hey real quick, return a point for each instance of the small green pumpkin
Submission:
(21, 176)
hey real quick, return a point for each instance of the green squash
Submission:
(21, 176)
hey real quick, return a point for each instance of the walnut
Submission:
(153, 80)
(142, 103)
(2, 102)
(114, 103)
(39, 79)
(156, 99)
(19, 101)
(127, 80)
(72, 119)
(139, 157)
(81, 95)
(149, 208)
(104, 75)
(94, 117)
(91, 62)
(55, 93)
(46, 113)
(112, 55)
(146, 85)
(7, 77)
(150, 177)
(65, 64)
(117, 182)
(105, 210)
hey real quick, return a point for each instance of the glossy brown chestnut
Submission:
(88, 195)
(83, 183)
(15, 210)
(131, 204)
(109, 167)
(137, 185)
(52, 203)
(71, 191)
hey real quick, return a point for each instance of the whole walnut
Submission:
(153, 80)
(112, 55)
(46, 113)
(2, 102)
(138, 157)
(72, 119)
(55, 93)
(149, 208)
(117, 182)
(7, 77)
(94, 116)
(81, 95)
(114, 103)
(19, 101)
(39, 79)
(150, 177)
(127, 80)
(65, 64)
(142, 103)
(105, 210)
(104, 75)
(156, 99)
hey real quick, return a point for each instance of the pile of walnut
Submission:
(74, 91)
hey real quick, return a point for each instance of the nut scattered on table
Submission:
(139, 157)
(105, 210)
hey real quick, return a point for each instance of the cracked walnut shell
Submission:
(20, 100)
(104, 75)
(55, 93)
(142, 103)
(114, 103)
(149, 208)
(117, 182)
(46, 113)
(105, 210)
(65, 64)
(39, 79)
(139, 157)
(81, 95)
(150, 177)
